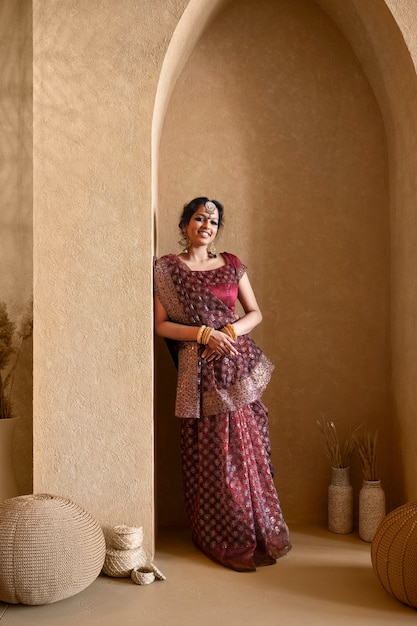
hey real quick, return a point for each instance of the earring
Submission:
(212, 250)
(185, 241)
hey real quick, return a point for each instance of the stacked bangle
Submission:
(204, 334)
(200, 332)
(229, 329)
(205, 337)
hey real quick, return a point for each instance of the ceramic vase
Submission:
(340, 501)
(371, 508)
(8, 483)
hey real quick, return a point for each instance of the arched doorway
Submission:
(317, 241)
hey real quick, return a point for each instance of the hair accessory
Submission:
(210, 206)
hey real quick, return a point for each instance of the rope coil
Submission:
(120, 563)
(126, 537)
(125, 556)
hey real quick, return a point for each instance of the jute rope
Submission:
(119, 563)
(126, 537)
(146, 575)
(125, 556)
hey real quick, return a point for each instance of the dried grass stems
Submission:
(339, 456)
(12, 336)
(366, 448)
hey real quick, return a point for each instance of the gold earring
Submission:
(212, 250)
(185, 241)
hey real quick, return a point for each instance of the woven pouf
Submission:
(50, 549)
(394, 553)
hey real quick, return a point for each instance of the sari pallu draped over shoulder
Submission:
(208, 388)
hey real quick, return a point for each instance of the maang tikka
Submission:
(210, 207)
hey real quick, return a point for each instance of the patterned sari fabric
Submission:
(231, 501)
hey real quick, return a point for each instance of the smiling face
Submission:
(202, 227)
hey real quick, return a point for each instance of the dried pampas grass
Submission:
(366, 447)
(338, 456)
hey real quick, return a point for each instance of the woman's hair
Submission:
(190, 208)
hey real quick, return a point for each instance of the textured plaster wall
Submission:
(96, 69)
(274, 115)
(402, 131)
(16, 205)
(195, 18)
(389, 56)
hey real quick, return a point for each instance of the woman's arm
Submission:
(219, 343)
(171, 330)
(247, 299)
(244, 325)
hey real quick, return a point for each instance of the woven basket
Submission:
(120, 563)
(394, 553)
(126, 537)
(50, 549)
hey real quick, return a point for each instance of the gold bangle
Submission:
(229, 329)
(205, 338)
(208, 335)
(200, 333)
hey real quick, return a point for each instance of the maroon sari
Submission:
(230, 497)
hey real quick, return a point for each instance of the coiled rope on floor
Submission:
(125, 556)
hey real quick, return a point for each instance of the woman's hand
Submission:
(219, 345)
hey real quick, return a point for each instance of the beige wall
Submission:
(402, 133)
(96, 72)
(16, 204)
(286, 131)
(389, 57)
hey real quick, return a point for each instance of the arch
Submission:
(377, 40)
(194, 20)
(361, 23)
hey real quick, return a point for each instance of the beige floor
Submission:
(326, 579)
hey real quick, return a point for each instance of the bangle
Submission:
(205, 337)
(229, 329)
(200, 332)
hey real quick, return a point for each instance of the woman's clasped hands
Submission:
(219, 345)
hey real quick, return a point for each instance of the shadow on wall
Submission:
(274, 116)
(170, 508)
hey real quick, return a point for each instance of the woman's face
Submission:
(202, 227)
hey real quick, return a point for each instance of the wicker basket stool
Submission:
(394, 553)
(50, 549)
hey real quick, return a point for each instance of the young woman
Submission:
(231, 501)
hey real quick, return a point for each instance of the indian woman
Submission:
(230, 497)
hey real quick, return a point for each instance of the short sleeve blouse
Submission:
(223, 282)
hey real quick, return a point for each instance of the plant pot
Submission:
(340, 501)
(371, 508)
(8, 483)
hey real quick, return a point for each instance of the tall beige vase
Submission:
(340, 501)
(8, 483)
(371, 508)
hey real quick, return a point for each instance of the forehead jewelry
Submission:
(210, 207)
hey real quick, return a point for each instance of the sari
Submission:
(230, 497)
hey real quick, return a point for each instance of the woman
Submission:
(231, 501)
